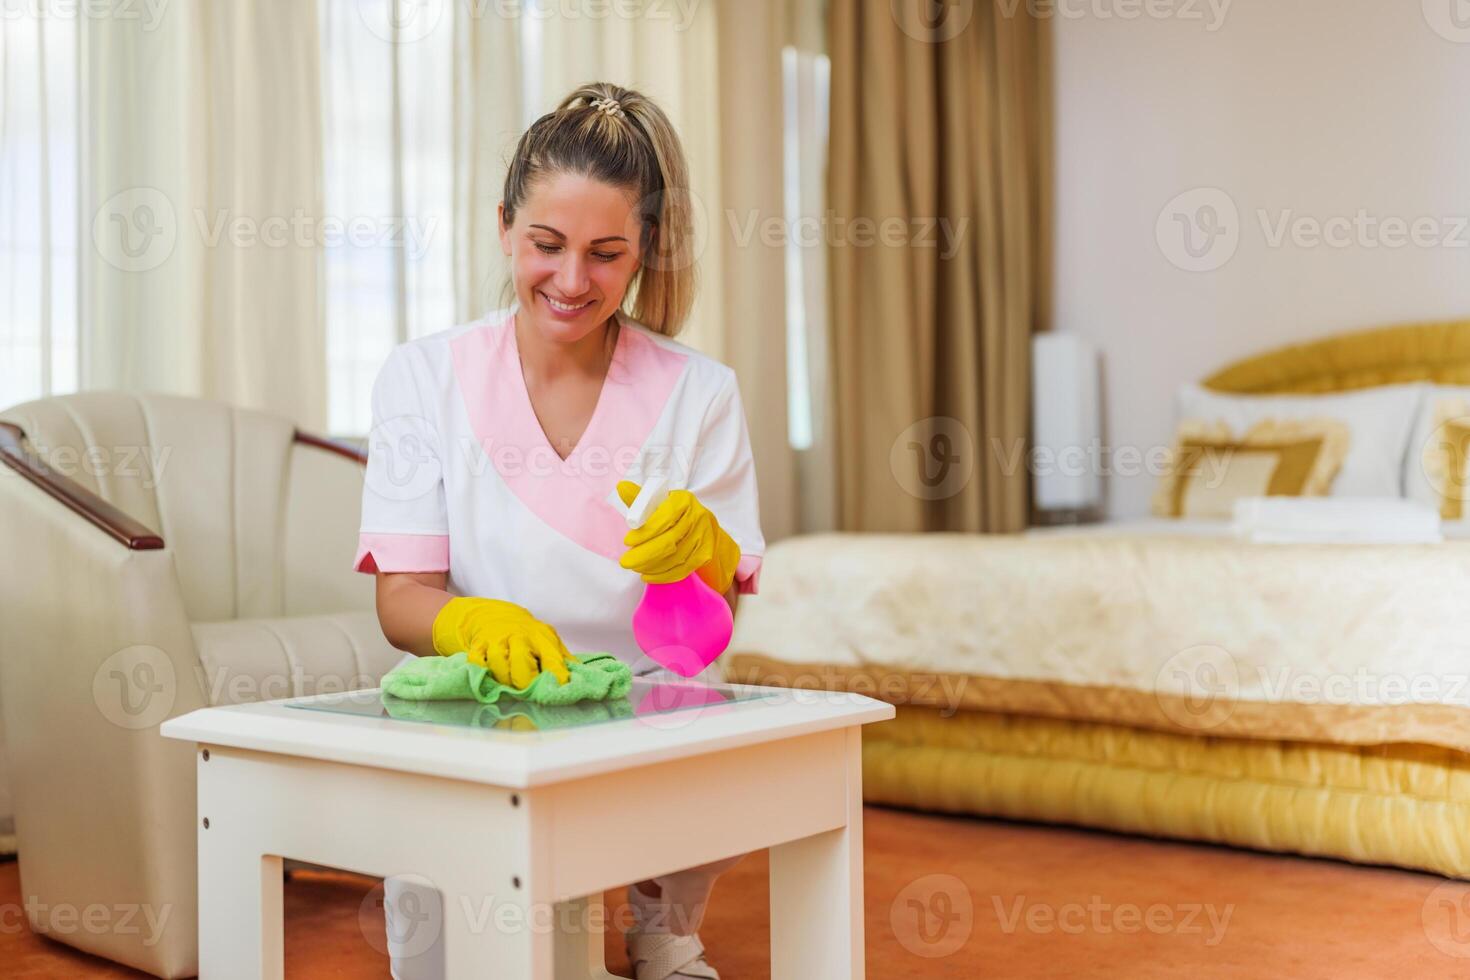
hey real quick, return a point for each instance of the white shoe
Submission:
(665, 956)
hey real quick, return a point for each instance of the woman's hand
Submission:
(680, 536)
(502, 637)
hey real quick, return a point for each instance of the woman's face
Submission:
(573, 251)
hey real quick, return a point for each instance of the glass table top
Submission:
(650, 696)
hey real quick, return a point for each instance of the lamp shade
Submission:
(1066, 423)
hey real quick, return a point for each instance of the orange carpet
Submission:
(958, 897)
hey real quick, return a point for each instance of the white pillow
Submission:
(1381, 421)
(1423, 479)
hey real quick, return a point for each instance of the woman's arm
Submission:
(733, 597)
(407, 605)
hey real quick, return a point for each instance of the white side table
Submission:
(522, 831)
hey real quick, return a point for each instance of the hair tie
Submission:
(611, 107)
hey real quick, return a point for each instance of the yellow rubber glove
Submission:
(679, 537)
(502, 637)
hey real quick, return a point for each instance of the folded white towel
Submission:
(1336, 520)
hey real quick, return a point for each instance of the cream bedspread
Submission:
(1354, 644)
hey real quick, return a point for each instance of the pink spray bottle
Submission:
(682, 625)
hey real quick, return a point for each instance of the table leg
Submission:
(253, 806)
(817, 894)
(579, 934)
(240, 930)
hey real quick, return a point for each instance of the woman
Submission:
(496, 446)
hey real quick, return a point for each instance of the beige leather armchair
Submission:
(159, 554)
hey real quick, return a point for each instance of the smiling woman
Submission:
(526, 565)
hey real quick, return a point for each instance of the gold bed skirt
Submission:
(1405, 805)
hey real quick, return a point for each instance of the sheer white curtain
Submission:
(38, 214)
(386, 73)
(160, 202)
(201, 203)
(161, 176)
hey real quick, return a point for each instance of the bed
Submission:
(1158, 677)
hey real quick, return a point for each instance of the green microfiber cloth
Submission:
(594, 677)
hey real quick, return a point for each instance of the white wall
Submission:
(1301, 108)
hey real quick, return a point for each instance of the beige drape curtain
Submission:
(201, 175)
(752, 36)
(940, 133)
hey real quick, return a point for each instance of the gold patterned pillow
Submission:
(1211, 467)
(1446, 455)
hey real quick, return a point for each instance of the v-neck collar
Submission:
(614, 368)
(569, 495)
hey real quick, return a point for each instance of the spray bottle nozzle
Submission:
(650, 495)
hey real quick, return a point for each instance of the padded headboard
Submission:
(1387, 355)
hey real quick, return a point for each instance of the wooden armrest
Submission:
(332, 446)
(118, 525)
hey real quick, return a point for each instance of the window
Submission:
(387, 113)
(38, 211)
(805, 85)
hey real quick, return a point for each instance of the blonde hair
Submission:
(622, 138)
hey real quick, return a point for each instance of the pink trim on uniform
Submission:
(401, 553)
(748, 575)
(569, 496)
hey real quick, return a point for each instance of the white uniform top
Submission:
(461, 478)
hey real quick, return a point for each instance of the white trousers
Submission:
(413, 913)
